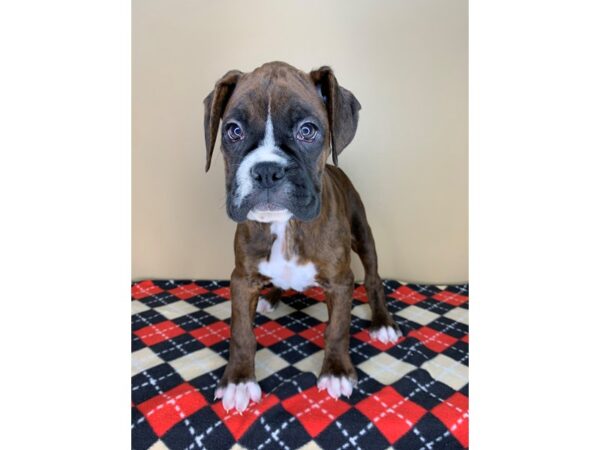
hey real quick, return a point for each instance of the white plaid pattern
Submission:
(385, 368)
(418, 315)
(143, 359)
(195, 364)
(448, 371)
(177, 309)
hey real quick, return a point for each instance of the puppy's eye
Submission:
(234, 132)
(307, 132)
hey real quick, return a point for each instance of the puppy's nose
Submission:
(267, 174)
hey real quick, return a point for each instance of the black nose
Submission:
(267, 174)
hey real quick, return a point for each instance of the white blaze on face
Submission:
(267, 151)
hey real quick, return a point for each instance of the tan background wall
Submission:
(406, 62)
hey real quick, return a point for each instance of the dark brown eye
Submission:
(234, 132)
(307, 132)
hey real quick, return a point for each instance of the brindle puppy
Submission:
(298, 217)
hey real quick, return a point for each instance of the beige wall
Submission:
(406, 62)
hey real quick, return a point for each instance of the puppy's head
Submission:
(279, 125)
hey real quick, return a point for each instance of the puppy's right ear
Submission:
(214, 106)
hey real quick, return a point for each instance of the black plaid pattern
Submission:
(411, 395)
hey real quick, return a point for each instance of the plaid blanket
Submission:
(411, 395)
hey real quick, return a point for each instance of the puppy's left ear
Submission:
(214, 107)
(342, 109)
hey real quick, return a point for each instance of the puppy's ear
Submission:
(342, 109)
(214, 106)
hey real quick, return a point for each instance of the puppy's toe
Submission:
(386, 334)
(238, 395)
(264, 306)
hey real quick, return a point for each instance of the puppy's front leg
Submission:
(238, 385)
(338, 375)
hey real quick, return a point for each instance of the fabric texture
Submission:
(410, 395)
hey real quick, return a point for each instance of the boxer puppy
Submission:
(298, 217)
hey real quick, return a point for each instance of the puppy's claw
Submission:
(254, 391)
(346, 387)
(385, 335)
(336, 386)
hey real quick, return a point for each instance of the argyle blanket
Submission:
(411, 395)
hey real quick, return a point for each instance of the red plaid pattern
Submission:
(153, 334)
(411, 395)
(188, 290)
(454, 413)
(315, 409)
(270, 333)
(451, 298)
(212, 334)
(315, 334)
(407, 295)
(144, 289)
(167, 409)
(391, 413)
(435, 340)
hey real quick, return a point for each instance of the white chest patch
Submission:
(286, 273)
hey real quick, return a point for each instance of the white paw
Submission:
(264, 306)
(336, 386)
(238, 395)
(386, 334)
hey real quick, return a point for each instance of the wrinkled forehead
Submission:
(288, 98)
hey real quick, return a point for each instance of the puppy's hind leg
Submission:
(383, 327)
(268, 302)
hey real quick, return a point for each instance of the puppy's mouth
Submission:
(269, 212)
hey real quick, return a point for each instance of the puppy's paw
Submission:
(264, 306)
(385, 334)
(238, 395)
(336, 386)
